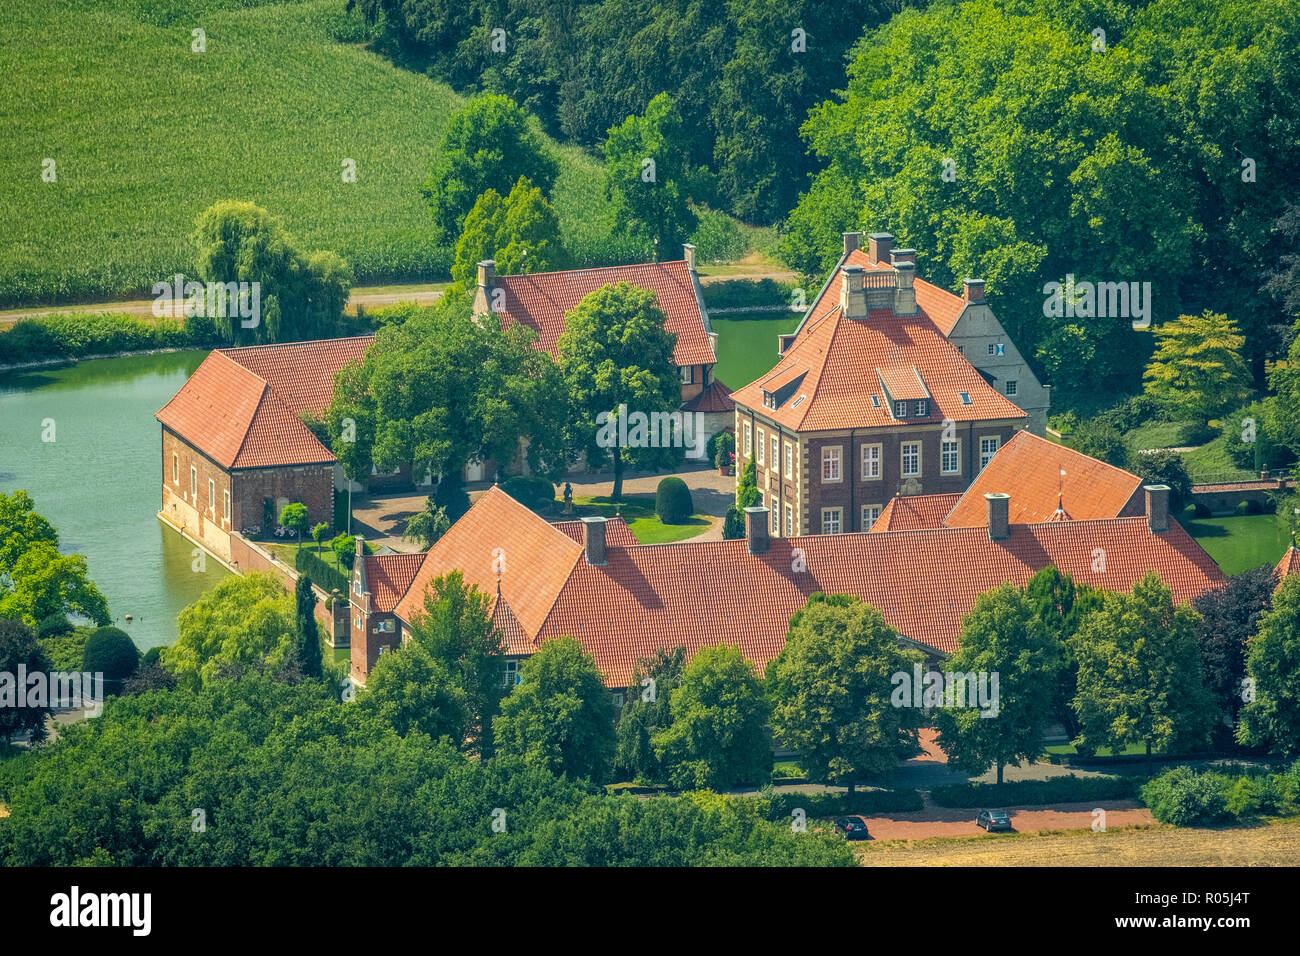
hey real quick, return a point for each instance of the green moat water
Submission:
(99, 481)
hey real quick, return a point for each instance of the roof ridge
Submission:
(835, 331)
(557, 272)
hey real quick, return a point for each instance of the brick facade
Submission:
(186, 473)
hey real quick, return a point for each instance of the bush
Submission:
(79, 334)
(733, 526)
(1131, 413)
(111, 651)
(1261, 452)
(1067, 789)
(1183, 797)
(344, 547)
(739, 293)
(778, 807)
(1243, 798)
(722, 447)
(531, 491)
(55, 625)
(673, 502)
(67, 651)
(310, 563)
(1101, 441)
(1165, 468)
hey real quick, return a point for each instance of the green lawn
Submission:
(1168, 435)
(1240, 543)
(747, 344)
(1211, 462)
(145, 134)
(639, 513)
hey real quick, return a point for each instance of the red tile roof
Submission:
(241, 406)
(716, 397)
(1028, 469)
(914, 512)
(388, 576)
(1289, 565)
(703, 593)
(616, 532)
(842, 360)
(540, 301)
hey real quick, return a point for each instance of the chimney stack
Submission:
(487, 272)
(688, 253)
(998, 506)
(756, 538)
(593, 533)
(973, 290)
(879, 245)
(852, 240)
(904, 290)
(853, 291)
(1157, 508)
(903, 255)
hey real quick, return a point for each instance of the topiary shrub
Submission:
(111, 652)
(55, 625)
(733, 526)
(673, 502)
(1186, 798)
(531, 491)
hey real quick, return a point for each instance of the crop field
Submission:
(144, 133)
(1275, 844)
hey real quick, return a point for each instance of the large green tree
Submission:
(615, 351)
(411, 691)
(18, 646)
(560, 715)
(831, 688)
(718, 737)
(245, 622)
(488, 144)
(1140, 673)
(1198, 370)
(519, 232)
(1230, 616)
(646, 712)
(1002, 637)
(645, 176)
(1272, 717)
(308, 652)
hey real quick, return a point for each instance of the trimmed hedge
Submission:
(1066, 789)
(779, 806)
(323, 575)
(673, 502)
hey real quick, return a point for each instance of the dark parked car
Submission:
(852, 828)
(992, 820)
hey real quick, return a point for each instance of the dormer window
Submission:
(922, 408)
(965, 397)
(900, 409)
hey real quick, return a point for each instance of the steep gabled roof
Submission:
(1028, 468)
(616, 532)
(1289, 565)
(389, 576)
(540, 301)
(241, 407)
(915, 512)
(716, 397)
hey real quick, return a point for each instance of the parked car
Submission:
(992, 820)
(852, 828)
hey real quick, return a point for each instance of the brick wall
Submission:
(186, 473)
(313, 485)
(368, 642)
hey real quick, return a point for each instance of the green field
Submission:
(1240, 543)
(747, 344)
(145, 134)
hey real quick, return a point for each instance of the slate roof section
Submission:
(1028, 469)
(541, 299)
(651, 597)
(241, 407)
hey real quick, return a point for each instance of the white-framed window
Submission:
(950, 457)
(618, 699)
(762, 443)
(176, 469)
(749, 440)
(789, 460)
(992, 349)
(688, 374)
(911, 459)
(360, 623)
(988, 448)
(194, 485)
(832, 520)
(212, 496)
(776, 455)
(789, 518)
(871, 462)
(900, 409)
(1011, 386)
(225, 504)
(386, 627)
(922, 407)
(511, 676)
(869, 515)
(1002, 348)
(965, 397)
(776, 519)
(831, 463)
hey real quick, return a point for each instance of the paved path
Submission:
(959, 822)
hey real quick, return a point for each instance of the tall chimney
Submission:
(756, 518)
(852, 240)
(688, 253)
(903, 255)
(879, 245)
(593, 533)
(972, 290)
(998, 505)
(487, 272)
(359, 569)
(1157, 508)
(904, 290)
(853, 291)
